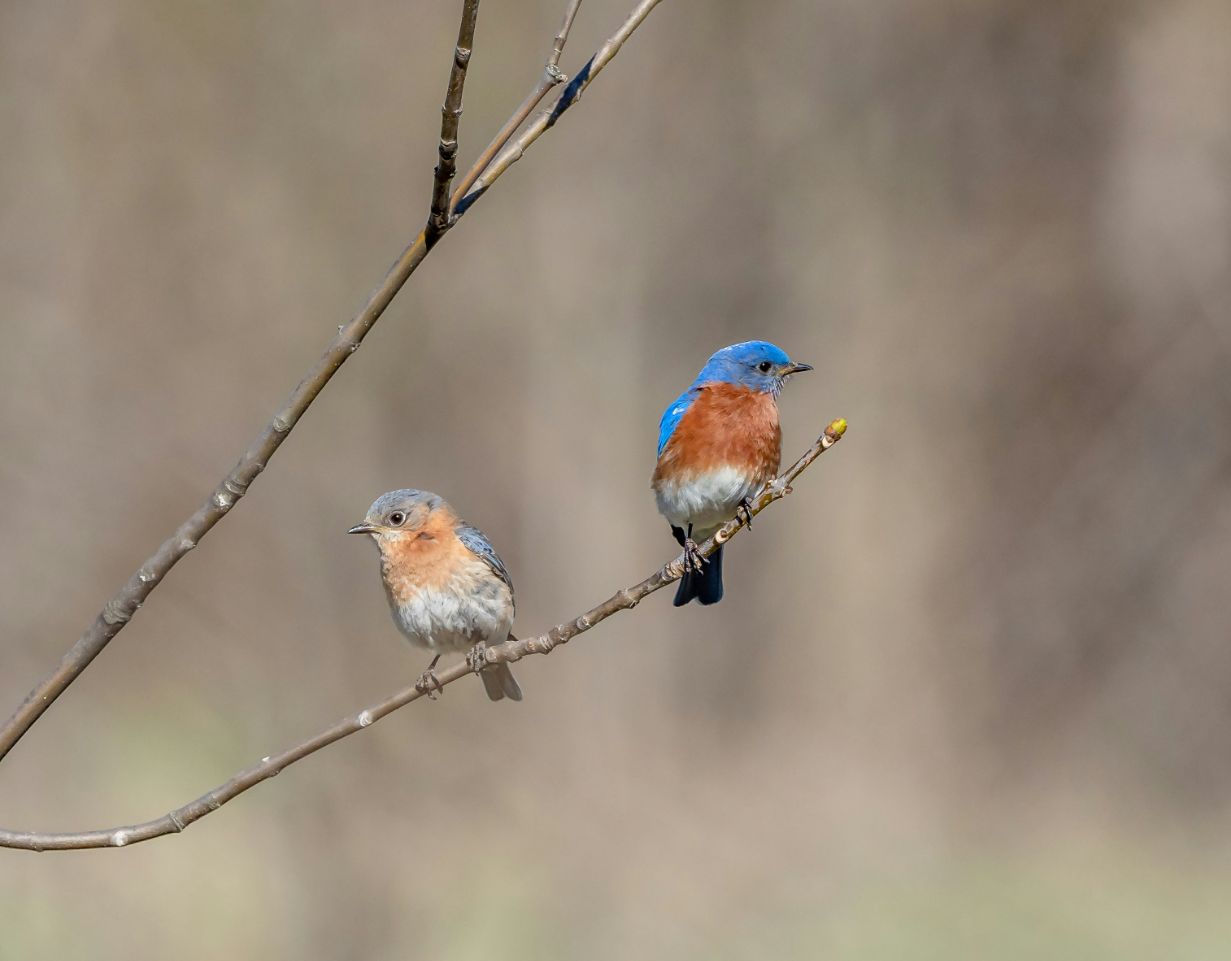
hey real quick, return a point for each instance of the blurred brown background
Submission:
(969, 695)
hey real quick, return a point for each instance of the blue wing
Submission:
(474, 541)
(671, 417)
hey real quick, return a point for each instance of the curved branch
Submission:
(511, 650)
(128, 600)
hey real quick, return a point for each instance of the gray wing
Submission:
(480, 546)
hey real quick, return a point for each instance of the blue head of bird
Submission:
(756, 364)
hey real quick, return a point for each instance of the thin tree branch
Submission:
(127, 601)
(450, 120)
(511, 650)
(547, 118)
(557, 47)
(550, 77)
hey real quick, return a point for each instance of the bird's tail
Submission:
(499, 682)
(705, 586)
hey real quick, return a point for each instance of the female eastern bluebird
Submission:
(447, 588)
(718, 444)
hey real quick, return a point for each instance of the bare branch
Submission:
(511, 650)
(127, 601)
(547, 119)
(557, 47)
(450, 120)
(551, 76)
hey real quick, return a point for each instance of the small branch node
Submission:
(115, 612)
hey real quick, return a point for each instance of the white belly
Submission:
(704, 500)
(452, 619)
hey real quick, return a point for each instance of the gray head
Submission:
(403, 511)
(757, 364)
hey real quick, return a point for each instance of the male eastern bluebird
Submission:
(718, 444)
(448, 590)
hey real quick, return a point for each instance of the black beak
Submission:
(362, 529)
(795, 369)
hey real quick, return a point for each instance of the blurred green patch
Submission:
(1113, 908)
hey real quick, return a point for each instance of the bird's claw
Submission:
(692, 556)
(743, 512)
(476, 658)
(429, 684)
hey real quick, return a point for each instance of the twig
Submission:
(127, 601)
(557, 47)
(450, 119)
(550, 77)
(511, 650)
(547, 118)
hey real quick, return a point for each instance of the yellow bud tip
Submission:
(837, 428)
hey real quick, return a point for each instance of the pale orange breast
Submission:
(427, 558)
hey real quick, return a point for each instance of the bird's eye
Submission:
(765, 367)
(397, 519)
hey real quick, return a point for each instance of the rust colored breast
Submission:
(726, 425)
